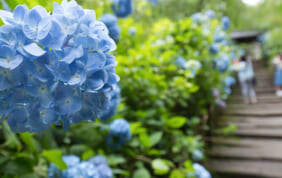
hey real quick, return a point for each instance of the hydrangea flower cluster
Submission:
(154, 2)
(118, 134)
(214, 48)
(192, 65)
(112, 109)
(225, 23)
(54, 69)
(218, 101)
(122, 8)
(132, 31)
(111, 22)
(95, 167)
(197, 155)
(228, 82)
(222, 63)
(210, 13)
(200, 171)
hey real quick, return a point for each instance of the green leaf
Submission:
(141, 173)
(55, 157)
(188, 165)
(160, 166)
(29, 141)
(176, 122)
(155, 138)
(18, 166)
(177, 174)
(11, 140)
(88, 154)
(114, 160)
(145, 140)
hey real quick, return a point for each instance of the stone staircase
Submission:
(254, 150)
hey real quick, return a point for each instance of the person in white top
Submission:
(277, 61)
(247, 79)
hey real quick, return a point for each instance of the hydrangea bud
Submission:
(122, 8)
(119, 134)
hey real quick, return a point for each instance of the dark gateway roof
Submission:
(245, 36)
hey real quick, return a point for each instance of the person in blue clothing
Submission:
(246, 77)
(278, 74)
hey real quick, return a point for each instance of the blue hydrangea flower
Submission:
(104, 171)
(98, 160)
(181, 62)
(132, 31)
(83, 169)
(219, 102)
(54, 67)
(197, 17)
(115, 101)
(122, 8)
(225, 22)
(222, 63)
(111, 22)
(100, 163)
(197, 155)
(219, 36)
(210, 13)
(200, 171)
(95, 167)
(214, 48)
(154, 2)
(118, 134)
(229, 81)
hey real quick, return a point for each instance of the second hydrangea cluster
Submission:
(95, 167)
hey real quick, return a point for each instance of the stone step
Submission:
(262, 98)
(263, 168)
(274, 109)
(251, 122)
(267, 90)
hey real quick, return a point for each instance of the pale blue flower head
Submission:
(225, 22)
(200, 171)
(210, 13)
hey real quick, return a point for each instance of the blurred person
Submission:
(247, 79)
(277, 61)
